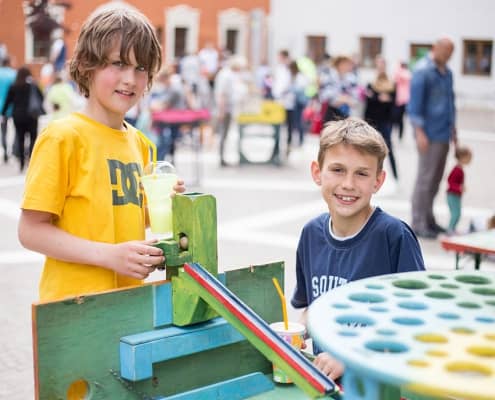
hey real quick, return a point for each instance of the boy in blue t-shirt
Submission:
(354, 240)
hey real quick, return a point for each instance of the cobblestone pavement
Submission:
(261, 210)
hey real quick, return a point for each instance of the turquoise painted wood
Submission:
(139, 352)
(233, 389)
(162, 295)
(429, 334)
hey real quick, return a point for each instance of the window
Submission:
(232, 37)
(418, 51)
(477, 57)
(180, 42)
(41, 45)
(370, 48)
(316, 47)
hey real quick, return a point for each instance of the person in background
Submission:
(7, 78)
(380, 96)
(283, 92)
(456, 187)
(354, 239)
(229, 92)
(58, 52)
(208, 58)
(61, 98)
(402, 78)
(24, 120)
(431, 110)
(339, 90)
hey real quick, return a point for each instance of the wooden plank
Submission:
(195, 216)
(139, 352)
(233, 389)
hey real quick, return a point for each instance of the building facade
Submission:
(399, 30)
(182, 26)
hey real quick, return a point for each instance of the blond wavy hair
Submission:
(353, 132)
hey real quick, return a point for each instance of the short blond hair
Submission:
(353, 132)
(101, 31)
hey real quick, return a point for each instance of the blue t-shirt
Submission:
(384, 245)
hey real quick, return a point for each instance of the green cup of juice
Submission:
(158, 181)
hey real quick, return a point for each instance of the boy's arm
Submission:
(330, 366)
(134, 259)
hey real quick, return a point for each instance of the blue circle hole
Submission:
(374, 286)
(386, 332)
(412, 305)
(341, 306)
(378, 309)
(486, 320)
(367, 297)
(448, 315)
(386, 346)
(354, 320)
(409, 321)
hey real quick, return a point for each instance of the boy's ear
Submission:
(316, 173)
(380, 178)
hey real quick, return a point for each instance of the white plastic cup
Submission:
(294, 335)
(158, 181)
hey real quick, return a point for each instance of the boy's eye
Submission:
(141, 68)
(119, 64)
(362, 173)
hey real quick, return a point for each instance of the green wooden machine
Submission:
(165, 340)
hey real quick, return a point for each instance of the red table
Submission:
(477, 244)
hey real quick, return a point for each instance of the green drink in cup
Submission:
(158, 181)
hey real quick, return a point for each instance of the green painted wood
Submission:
(195, 216)
(254, 286)
(79, 339)
(251, 337)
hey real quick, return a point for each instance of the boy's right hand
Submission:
(136, 259)
(329, 366)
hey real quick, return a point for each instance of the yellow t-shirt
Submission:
(87, 175)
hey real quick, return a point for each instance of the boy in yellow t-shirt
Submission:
(83, 203)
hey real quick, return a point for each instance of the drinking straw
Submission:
(282, 300)
(151, 144)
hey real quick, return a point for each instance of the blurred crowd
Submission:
(219, 84)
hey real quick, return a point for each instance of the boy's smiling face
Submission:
(348, 178)
(115, 88)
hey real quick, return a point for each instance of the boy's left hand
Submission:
(180, 187)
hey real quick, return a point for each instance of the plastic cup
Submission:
(295, 337)
(158, 181)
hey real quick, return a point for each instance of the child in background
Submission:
(353, 240)
(456, 186)
(83, 202)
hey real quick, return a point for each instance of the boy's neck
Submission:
(344, 227)
(112, 121)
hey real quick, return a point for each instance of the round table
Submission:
(432, 334)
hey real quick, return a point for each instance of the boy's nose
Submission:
(348, 181)
(129, 74)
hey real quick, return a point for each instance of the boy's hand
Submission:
(136, 259)
(179, 186)
(329, 366)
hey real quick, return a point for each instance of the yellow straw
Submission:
(151, 144)
(282, 300)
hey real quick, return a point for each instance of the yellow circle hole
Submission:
(463, 331)
(482, 351)
(468, 369)
(418, 363)
(436, 353)
(431, 338)
(78, 390)
(490, 336)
